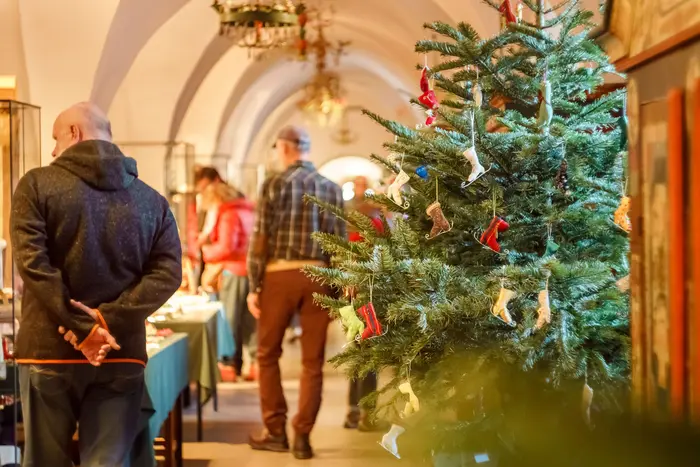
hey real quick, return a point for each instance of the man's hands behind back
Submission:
(96, 346)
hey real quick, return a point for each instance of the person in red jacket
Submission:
(196, 219)
(226, 248)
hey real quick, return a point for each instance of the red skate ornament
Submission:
(428, 98)
(507, 15)
(374, 327)
(490, 235)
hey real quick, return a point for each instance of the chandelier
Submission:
(323, 100)
(259, 25)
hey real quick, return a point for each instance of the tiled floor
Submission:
(226, 431)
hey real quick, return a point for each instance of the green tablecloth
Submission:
(200, 323)
(166, 377)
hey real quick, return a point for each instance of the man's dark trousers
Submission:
(105, 403)
(361, 388)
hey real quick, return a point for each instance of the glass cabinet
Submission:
(20, 151)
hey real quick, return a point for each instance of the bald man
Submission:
(98, 252)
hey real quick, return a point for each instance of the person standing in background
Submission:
(98, 251)
(227, 248)
(358, 418)
(200, 221)
(280, 248)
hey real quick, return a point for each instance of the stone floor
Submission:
(226, 431)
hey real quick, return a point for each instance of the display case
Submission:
(20, 151)
(247, 178)
(168, 167)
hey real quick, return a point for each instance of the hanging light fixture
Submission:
(259, 25)
(345, 136)
(323, 100)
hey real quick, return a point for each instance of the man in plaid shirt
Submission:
(281, 246)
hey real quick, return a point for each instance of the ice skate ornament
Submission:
(428, 98)
(440, 222)
(621, 216)
(507, 15)
(544, 312)
(623, 285)
(562, 179)
(586, 402)
(471, 156)
(544, 117)
(389, 440)
(489, 238)
(373, 327)
(477, 169)
(413, 404)
(394, 191)
(351, 322)
(500, 309)
(519, 11)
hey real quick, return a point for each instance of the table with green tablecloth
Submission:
(166, 379)
(166, 376)
(201, 323)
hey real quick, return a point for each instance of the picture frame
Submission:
(694, 194)
(652, 313)
(648, 29)
(659, 308)
(678, 336)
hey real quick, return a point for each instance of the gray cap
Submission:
(297, 135)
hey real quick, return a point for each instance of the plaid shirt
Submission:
(284, 222)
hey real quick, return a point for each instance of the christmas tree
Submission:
(495, 292)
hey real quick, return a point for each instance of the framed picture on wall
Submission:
(657, 21)
(655, 312)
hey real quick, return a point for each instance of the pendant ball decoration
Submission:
(422, 172)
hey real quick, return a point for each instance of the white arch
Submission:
(263, 97)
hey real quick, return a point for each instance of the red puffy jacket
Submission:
(378, 226)
(230, 236)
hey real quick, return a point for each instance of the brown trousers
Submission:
(283, 294)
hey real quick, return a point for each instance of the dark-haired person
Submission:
(198, 223)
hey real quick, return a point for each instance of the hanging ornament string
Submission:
(494, 202)
(472, 128)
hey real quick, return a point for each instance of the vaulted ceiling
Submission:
(162, 72)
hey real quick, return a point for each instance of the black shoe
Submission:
(302, 448)
(266, 441)
(352, 419)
